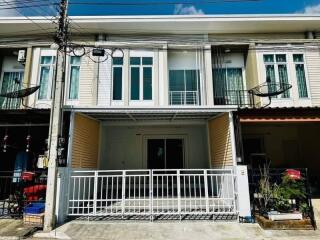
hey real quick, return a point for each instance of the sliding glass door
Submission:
(165, 153)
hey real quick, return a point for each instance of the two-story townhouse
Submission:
(159, 127)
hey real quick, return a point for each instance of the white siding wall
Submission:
(114, 139)
(87, 87)
(105, 83)
(313, 66)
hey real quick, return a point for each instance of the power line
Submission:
(162, 3)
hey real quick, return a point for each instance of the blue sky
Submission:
(219, 7)
(253, 7)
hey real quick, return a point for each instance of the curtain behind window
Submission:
(74, 78)
(270, 78)
(283, 79)
(44, 82)
(226, 84)
(301, 79)
(12, 81)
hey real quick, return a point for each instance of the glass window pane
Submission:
(298, 58)
(117, 61)
(117, 83)
(75, 60)
(11, 82)
(74, 82)
(191, 80)
(135, 83)
(301, 80)
(281, 58)
(147, 61)
(219, 83)
(283, 79)
(147, 83)
(44, 82)
(270, 78)
(176, 80)
(268, 58)
(134, 61)
(46, 60)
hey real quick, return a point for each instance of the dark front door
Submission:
(165, 153)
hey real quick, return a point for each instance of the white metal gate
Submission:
(152, 192)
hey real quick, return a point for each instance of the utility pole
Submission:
(56, 115)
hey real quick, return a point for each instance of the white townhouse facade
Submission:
(173, 103)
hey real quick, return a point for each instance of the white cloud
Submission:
(314, 9)
(8, 13)
(180, 9)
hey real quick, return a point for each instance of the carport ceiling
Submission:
(152, 115)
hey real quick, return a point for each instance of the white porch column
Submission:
(62, 194)
(242, 187)
(208, 75)
(163, 77)
(126, 77)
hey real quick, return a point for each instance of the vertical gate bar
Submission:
(95, 192)
(206, 190)
(234, 193)
(139, 209)
(123, 194)
(179, 193)
(151, 195)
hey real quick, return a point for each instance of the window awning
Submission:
(279, 115)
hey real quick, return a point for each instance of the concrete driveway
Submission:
(174, 230)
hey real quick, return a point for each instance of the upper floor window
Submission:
(46, 77)
(11, 82)
(184, 87)
(117, 64)
(228, 86)
(74, 71)
(276, 72)
(141, 78)
(298, 60)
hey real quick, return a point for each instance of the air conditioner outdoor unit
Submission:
(22, 56)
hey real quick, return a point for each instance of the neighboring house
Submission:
(175, 96)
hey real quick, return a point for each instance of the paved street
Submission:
(171, 230)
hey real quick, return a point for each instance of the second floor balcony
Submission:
(184, 98)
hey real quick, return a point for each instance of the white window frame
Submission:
(276, 70)
(141, 54)
(184, 137)
(122, 80)
(68, 75)
(305, 72)
(47, 53)
(199, 92)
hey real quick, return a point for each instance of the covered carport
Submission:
(287, 137)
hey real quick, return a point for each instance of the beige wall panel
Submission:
(85, 142)
(220, 142)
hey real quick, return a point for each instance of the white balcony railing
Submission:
(184, 97)
(152, 192)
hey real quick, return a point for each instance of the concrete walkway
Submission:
(14, 229)
(171, 230)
